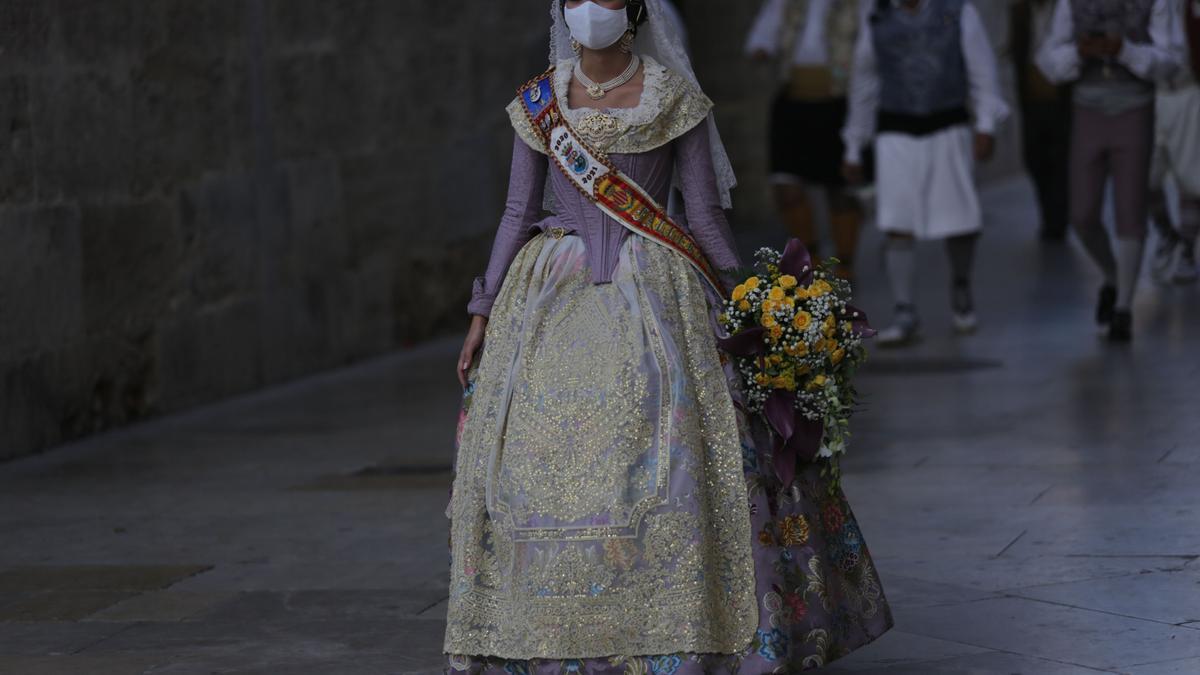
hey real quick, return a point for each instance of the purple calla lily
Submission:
(748, 342)
(796, 438)
(797, 262)
(858, 322)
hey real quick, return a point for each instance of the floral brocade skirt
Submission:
(778, 579)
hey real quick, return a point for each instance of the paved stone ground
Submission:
(1029, 494)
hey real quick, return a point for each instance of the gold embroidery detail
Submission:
(599, 129)
(681, 578)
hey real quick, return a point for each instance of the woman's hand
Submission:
(471, 347)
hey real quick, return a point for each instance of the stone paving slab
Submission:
(381, 605)
(1053, 631)
(900, 648)
(62, 605)
(1178, 667)
(95, 577)
(165, 606)
(77, 665)
(1166, 597)
(52, 638)
(987, 663)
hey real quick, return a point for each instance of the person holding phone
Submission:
(1113, 51)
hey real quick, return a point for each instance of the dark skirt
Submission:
(806, 139)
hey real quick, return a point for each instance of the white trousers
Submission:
(926, 184)
(1177, 139)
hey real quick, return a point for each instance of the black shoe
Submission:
(1106, 305)
(1121, 328)
(962, 306)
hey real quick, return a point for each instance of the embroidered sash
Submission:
(601, 182)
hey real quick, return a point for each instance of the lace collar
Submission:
(670, 106)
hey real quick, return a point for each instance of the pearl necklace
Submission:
(597, 90)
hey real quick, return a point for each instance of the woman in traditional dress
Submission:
(612, 509)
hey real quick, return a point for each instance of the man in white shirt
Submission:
(919, 65)
(1113, 51)
(813, 41)
(1177, 154)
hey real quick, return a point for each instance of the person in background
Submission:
(813, 41)
(1177, 153)
(1113, 51)
(1045, 117)
(913, 82)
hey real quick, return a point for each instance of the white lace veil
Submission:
(661, 38)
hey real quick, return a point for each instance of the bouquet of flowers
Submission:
(796, 342)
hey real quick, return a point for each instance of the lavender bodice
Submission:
(602, 235)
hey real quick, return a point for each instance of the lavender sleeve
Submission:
(526, 185)
(702, 199)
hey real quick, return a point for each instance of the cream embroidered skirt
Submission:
(599, 505)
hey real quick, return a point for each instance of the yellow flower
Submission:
(762, 379)
(776, 293)
(775, 359)
(802, 293)
(799, 349)
(769, 321)
(787, 282)
(802, 320)
(789, 302)
(820, 345)
(776, 332)
(817, 382)
(769, 306)
(744, 305)
(785, 382)
(739, 292)
(752, 283)
(837, 356)
(820, 287)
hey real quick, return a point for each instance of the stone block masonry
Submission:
(199, 198)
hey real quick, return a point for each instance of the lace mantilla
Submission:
(670, 107)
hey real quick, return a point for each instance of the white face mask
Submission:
(595, 27)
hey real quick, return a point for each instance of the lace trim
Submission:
(670, 107)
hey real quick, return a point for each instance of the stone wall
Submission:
(203, 197)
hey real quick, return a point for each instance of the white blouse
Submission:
(811, 48)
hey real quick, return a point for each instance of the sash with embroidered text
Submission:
(602, 183)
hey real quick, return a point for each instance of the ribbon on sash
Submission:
(602, 183)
